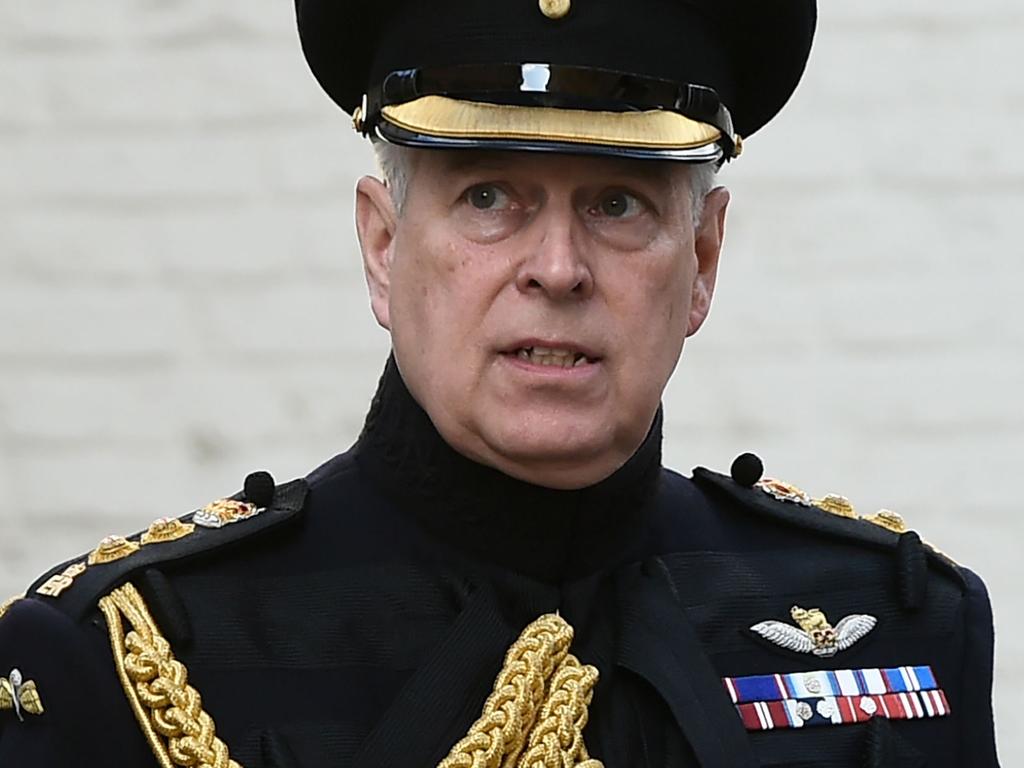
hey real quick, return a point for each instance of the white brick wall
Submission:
(181, 300)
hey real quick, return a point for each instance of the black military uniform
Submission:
(361, 619)
(405, 607)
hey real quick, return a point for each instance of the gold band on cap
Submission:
(455, 119)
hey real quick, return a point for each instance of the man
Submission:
(499, 572)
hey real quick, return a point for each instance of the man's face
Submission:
(538, 304)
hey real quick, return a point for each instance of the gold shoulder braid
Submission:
(168, 709)
(539, 704)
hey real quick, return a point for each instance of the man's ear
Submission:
(707, 244)
(376, 220)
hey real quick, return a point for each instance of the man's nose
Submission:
(557, 266)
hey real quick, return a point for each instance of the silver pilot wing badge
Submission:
(814, 634)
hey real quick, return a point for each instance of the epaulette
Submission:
(832, 516)
(75, 586)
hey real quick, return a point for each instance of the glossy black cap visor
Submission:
(550, 107)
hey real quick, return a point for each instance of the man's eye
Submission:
(618, 205)
(486, 197)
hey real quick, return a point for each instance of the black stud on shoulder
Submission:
(747, 470)
(789, 506)
(278, 507)
(259, 489)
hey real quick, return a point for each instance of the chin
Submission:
(552, 453)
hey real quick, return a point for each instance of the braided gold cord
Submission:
(169, 710)
(539, 701)
(556, 741)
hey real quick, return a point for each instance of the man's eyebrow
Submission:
(637, 170)
(645, 171)
(651, 176)
(468, 161)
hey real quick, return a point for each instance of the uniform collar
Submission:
(541, 532)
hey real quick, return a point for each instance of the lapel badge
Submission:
(815, 634)
(56, 584)
(225, 512)
(112, 549)
(777, 489)
(19, 695)
(166, 529)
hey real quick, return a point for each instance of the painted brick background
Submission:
(181, 300)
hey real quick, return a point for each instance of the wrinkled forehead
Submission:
(436, 164)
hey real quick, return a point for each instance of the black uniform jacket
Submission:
(362, 618)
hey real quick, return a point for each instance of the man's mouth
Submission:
(560, 358)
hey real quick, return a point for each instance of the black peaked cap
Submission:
(751, 52)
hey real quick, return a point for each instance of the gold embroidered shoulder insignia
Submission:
(894, 522)
(833, 503)
(783, 491)
(57, 584)
(166, 529)
(886, 518)
(20, 695)
(748, 468)
(169, 710)
(223, 512)
(112, 549)
(837, 505)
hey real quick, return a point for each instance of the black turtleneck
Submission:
(433, 564)
(549, 534)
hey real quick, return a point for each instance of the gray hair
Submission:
(393, 161)
(394, 164)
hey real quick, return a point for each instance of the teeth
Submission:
(562, 358)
